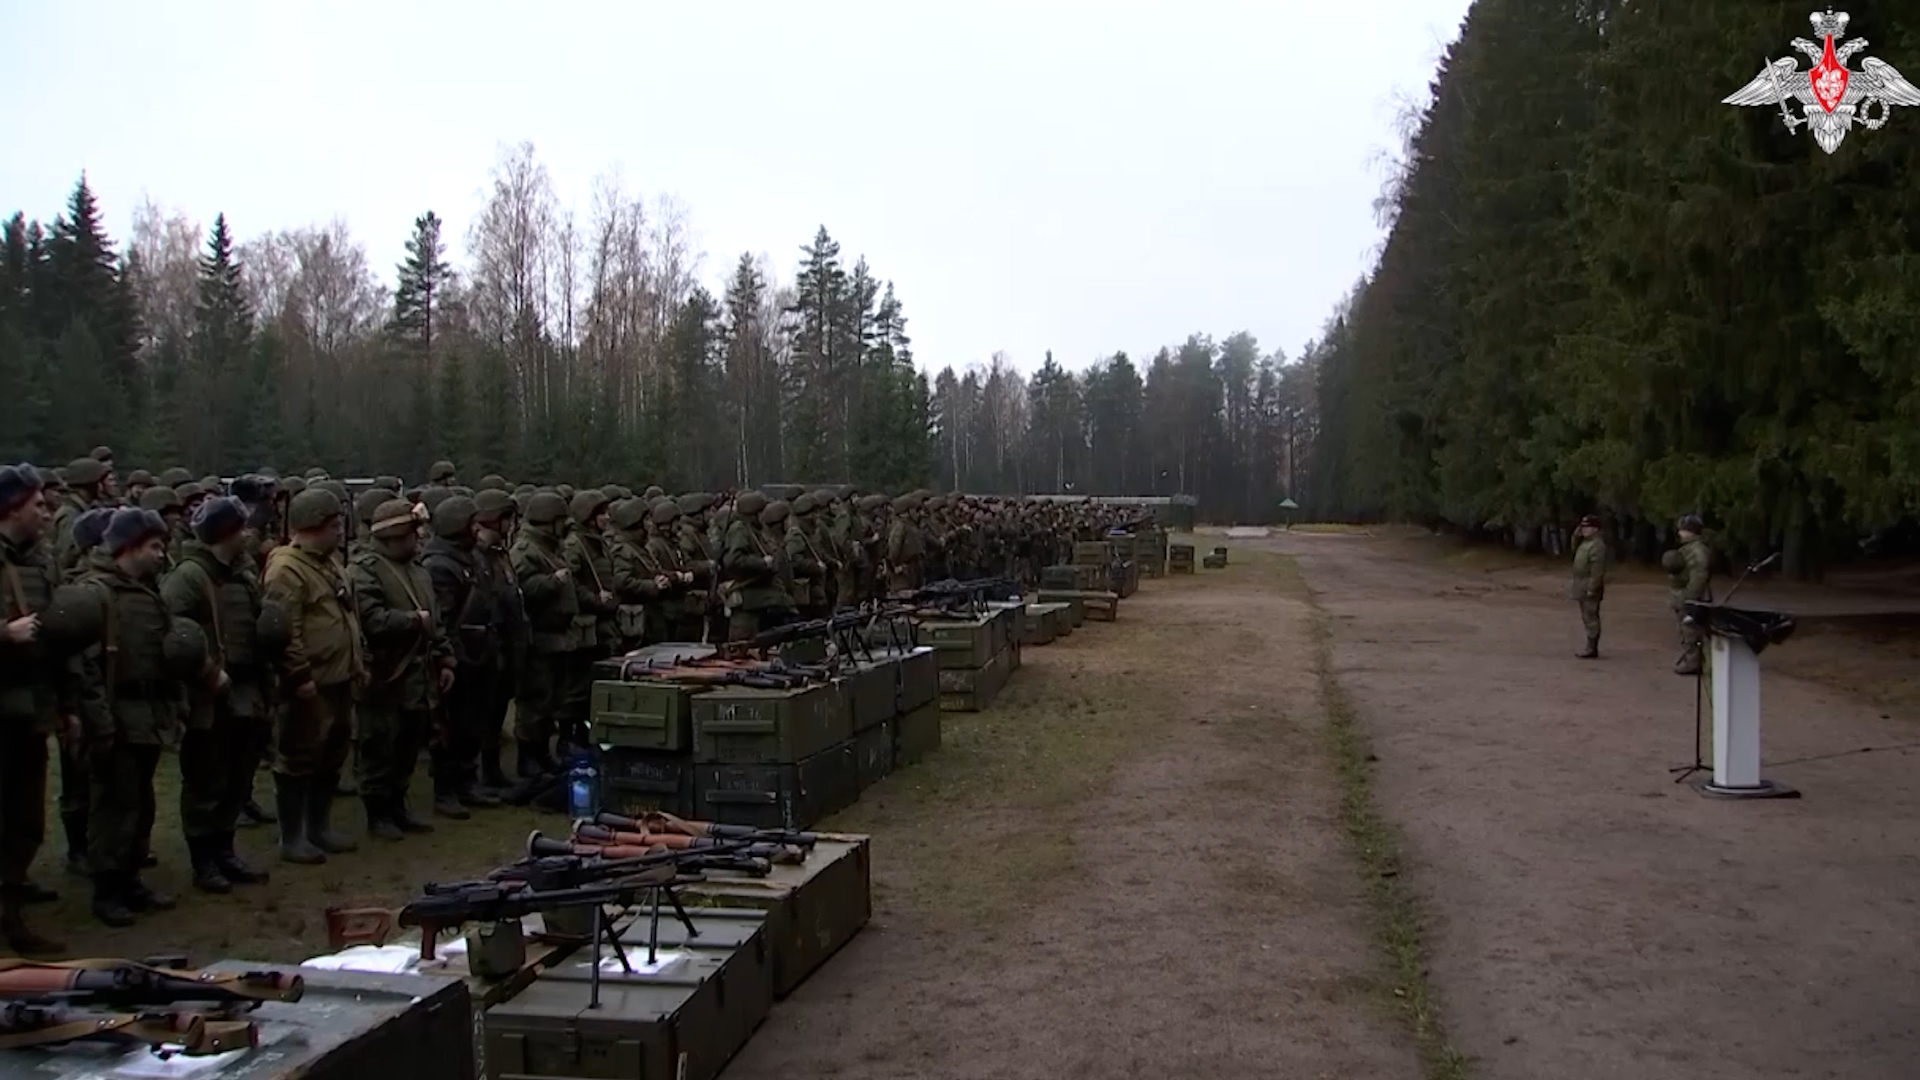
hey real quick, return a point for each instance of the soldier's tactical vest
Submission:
(234, 600)
(26, 685)
(553, 621)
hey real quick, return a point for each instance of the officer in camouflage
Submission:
(702, 560)
(1689, 570)
(677, 614)
(227, 729)
(135, 707)
(1589, 585)
(87, 487)
(810, 570)
(637, 587)
(750, 573)
(411, 665)
(319, 671)
(494, 526)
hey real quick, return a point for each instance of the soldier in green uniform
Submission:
(906, 547)
(465, 593)
(585, 547)
(365, 505)
(214, 584)
(148, 659)
(679, 610)
(84, 481)
(1589, 585)
(319, 670)
(138, 481)
(1689, 570)
(442, 474)
(636, 586)
(808, 567)
(37, 696)
(165, 501)
(410, 665)
(750, 572)
(701, 603)
(552, 605)
(494, 527)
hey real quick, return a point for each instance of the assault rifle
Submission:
(38, 1005)
(549, 872)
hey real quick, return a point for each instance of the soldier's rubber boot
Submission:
(379, 825)
(208, 876)
(400, 815)
(1592, 651)
(320, 818)
(15, 932)
(110, 902)
(233, 866)
(75, 826)
(254, 814)
(290, 796)
(449, 805)
(143, 899)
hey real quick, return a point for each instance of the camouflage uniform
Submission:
(1589, 585)
(1689, 579)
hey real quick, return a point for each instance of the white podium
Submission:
(1736, 724)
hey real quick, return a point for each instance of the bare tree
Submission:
(166, 245)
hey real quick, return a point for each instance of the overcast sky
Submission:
(1081, 177)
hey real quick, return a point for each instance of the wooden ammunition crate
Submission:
(973, 689)
(742, 725)
(797, 795)
(812, 909)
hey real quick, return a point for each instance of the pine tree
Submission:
(219, 372)
(424, 277)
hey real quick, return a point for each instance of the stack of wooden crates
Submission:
(976, 654)
(1180, 559)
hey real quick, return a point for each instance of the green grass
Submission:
(1397, 921)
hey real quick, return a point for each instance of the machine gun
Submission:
(444, 907)
(549, 872)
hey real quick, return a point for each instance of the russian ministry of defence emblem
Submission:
(1830, 96)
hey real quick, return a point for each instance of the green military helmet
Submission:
(525, 489)
(338, 489)
(175, 476)
(50, 479)
(440, 472)
(316, 473)
(102, 454)
(871, 502)
(494, 481)
(545, 508)
(160, 499)
(653, 492)
(453, 518)
(190, 491)
(267, 471)
(290, 485)
(693, 502)
(664, 511)
(565, 491)
(434, 496)
(749, 504)
(393, 516)
(585, 504)
(140, 478)
(628, 514)
(617, 492)
(823, 498)
(389, 482)
(493, 502)
(312, 509)
(903, 503)
(462, 490)
(184, 649)
(805, 504)
(273, 630)
(776, 512)
(211, 484)
(369, 502)
(85, 472)
(74, 618)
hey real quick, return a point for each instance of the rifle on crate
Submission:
(836, 627)
(587, 834)
(443, 907)
(40, 1005)
(658, 823)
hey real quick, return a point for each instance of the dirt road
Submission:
(1592, 919)
(1131, 866)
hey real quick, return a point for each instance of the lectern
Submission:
(1736, 638)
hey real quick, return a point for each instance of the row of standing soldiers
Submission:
(289, 621)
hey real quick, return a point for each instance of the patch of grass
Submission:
(1377, 845)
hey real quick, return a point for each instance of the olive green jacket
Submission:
(551, 604)
(35, 686)
(136, 698)
(404, 658)
(225, 600)
(1590, 560)
(324, 645)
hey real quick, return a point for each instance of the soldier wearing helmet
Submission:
(553, 607)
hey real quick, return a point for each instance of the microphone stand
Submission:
(1699, 681)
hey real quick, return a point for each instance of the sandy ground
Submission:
(1174, 896)
(1593, 919)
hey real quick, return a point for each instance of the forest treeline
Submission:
(582, 349)
(1604, 290)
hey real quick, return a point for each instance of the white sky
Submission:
(1074, 176)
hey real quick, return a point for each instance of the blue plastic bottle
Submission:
(583, 788)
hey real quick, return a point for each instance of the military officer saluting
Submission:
(1589, 585)
(1689, 570)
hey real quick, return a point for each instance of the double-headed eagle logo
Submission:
(1831, 96)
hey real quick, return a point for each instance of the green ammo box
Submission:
(643, 715)
(636, 781)
(874, 686)
(873, 753)
(973, 689)
(746, 726)
(919, 679)
(811, 909)
(1060, 577)
(682, 1023)
(349, 1025)
(916, 734)
(1092, 553)
(960, 643)
(1074, 599)
(779, 796)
